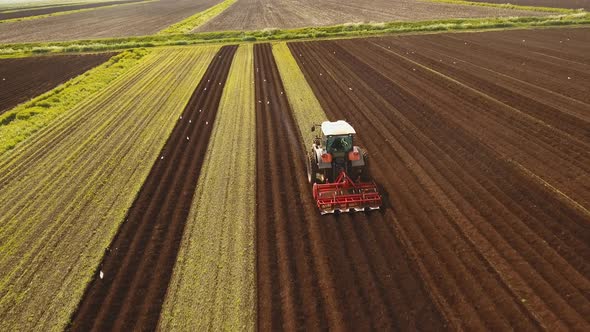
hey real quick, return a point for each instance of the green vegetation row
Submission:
(66, 191)
(67, 12)
(213, 286)
(508, 5)
(337, 31)
(25, 119)
(307, 110)
(193, 22)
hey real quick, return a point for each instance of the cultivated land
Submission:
(23, 79)
(57, 9)
(66, 191)
(481, 144)
(321, 272)
(140, 262)
(214, 281)
(261, 14)
(573, 4)
(118, 21)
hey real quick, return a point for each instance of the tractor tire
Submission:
(364, 173)
(312, 169)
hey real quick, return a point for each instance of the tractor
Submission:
(338, 171)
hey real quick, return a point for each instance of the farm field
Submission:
(484, 160)
(23, 79)
(261, 14)
(127, 20)
(140, 263)
(215, 269)
(12, 14)
(573, 4)
(66, 191)
(320, 272)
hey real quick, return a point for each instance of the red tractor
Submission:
(338, 170)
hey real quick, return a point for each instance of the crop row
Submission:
(66, 191)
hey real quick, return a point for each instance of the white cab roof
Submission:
(339, 127)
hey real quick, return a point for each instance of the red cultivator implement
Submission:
(345, 195)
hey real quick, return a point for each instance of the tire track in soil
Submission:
(139, 262)
(318, 272)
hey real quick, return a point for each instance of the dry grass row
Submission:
(65, 191)
(214, 282)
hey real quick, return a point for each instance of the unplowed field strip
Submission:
(23, 79)
(139, 262)
(347, 272)
(501, 248)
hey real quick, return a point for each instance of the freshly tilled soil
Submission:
(25, 78)
(347, 272)
(138, 264)
(475, 157)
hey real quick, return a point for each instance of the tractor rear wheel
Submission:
(312, 169)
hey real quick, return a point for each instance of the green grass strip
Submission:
(193, 22)
(25, 119)
(337, 31)
(213, 287)
(306, 108)
(67, 12)
(508, 5)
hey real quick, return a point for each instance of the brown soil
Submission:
(348, 272)
(118, 21)
(574, 4)
(460, 151)
(139, 262)
(23, 79)
(57, 9)
(260, 14)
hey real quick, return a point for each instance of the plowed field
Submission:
(23, 79)
(57, 9)
(117, 21)
(481, 143)
(139, 262)
(321, 272)
(260, 14)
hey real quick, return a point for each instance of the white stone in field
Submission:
(162, 157)
(205, 89)
(199, 111)
(189, 121)
(181, 117)
(101, 274)
(206, 122)
(187, 138)
(569, 78)
(350, 89)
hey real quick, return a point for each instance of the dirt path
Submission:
(23, 79)
(347, 272)
(499, 249)
(138, 265)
